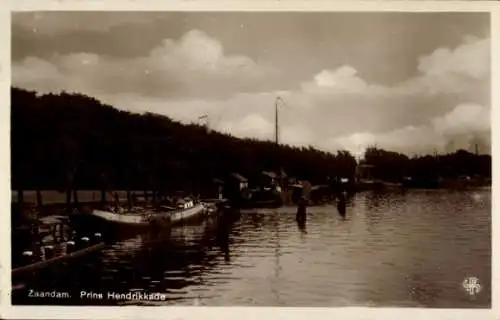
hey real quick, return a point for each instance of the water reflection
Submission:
(341, 205)
(301, 216)
(301, 224)
(374, 248)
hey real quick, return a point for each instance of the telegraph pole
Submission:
(205, 124)
(276, 120)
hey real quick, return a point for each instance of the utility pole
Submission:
(204, 117)
(276, 120)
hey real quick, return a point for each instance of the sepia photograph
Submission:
(265, 159)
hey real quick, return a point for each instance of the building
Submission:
(364, 172)
(240, 180)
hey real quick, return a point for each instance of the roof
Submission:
(269, 174)
(283, 174)
(366, 165)
(239, 177)
(319, 186)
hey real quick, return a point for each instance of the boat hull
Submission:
(138, 221)
(272, 204)
(56, 260)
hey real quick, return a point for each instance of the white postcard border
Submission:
(133, 312)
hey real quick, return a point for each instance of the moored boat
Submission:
(52, 255)
(164, 215)
(50, 241)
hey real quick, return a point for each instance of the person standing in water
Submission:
(301, 216)
(341, 204)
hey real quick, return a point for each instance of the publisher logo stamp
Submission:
(472, 285)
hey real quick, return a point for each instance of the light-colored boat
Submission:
(145, 217)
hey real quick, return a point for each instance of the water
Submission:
(392, 249)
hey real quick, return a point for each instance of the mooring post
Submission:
(20, 197)
(39, 200)
(75, 198)
(68, 199)
(129, 199)
(103, 196)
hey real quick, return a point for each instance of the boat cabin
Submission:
(241, 181)
(185, 203)
(297, 191)
(320, 193)
(268, 180)
(365, 172)
(219, 188)
(235, 186)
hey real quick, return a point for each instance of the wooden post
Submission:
(103, 196)
(20, 197)
(39, 200)
(68, 199)
(129, 199)
(75, 197)
(69, 190)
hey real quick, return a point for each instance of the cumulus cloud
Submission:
(335, 109)
(443, 71)
(343, 79)
(464, 119)
(252, 125)
(471, 59)
(197, 52)
(463, 127)
(194, 65)
(446, 79)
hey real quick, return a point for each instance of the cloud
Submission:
(444, 106)
(252, 125)
(427, 112)
(34, 71)
(444, 71)
(298, 135)
(464, 119)
(464, 126)
(194, 65)
(343, 79)
(471, 59)
(199, 53)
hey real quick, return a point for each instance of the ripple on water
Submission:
(410, 250)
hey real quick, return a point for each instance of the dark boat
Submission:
(48, 242)
(64, 255)
(260, 198)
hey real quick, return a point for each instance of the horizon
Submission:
(413, 83)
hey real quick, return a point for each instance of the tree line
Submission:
(393, 166)
(72, 140)
(68, 140)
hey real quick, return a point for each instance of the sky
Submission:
(414, 83)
